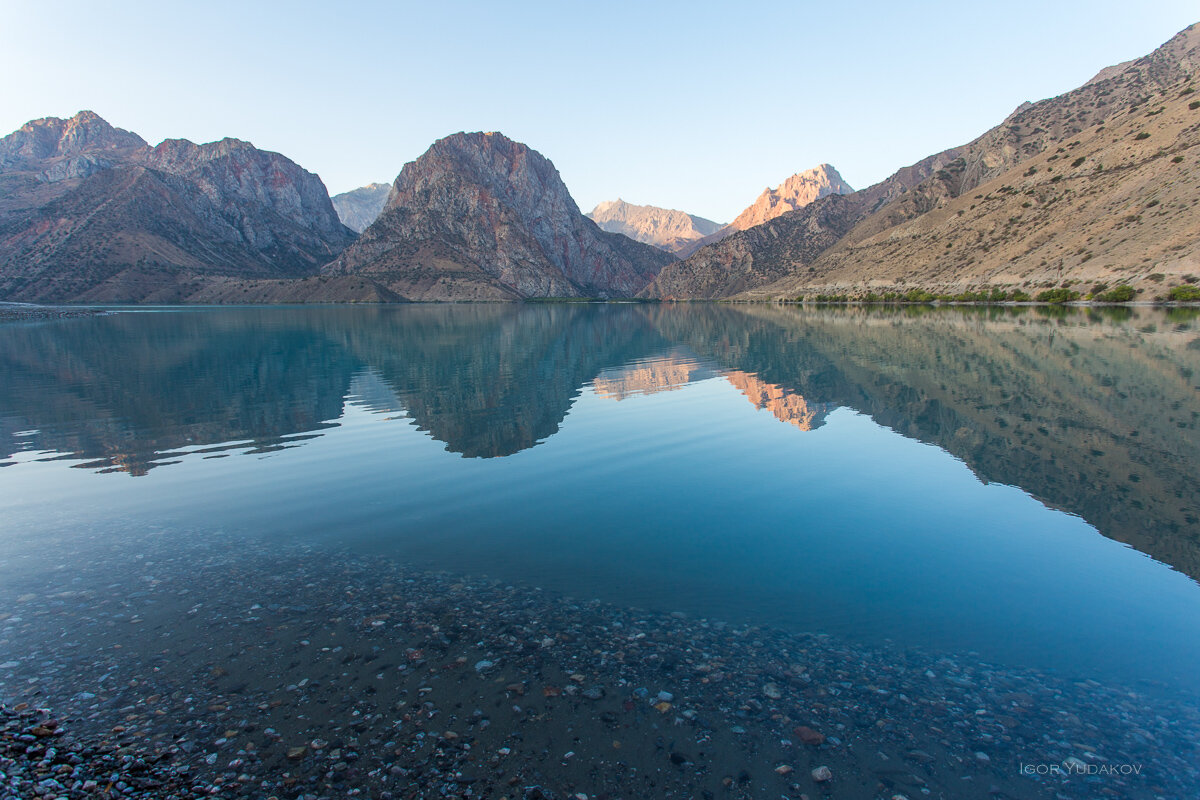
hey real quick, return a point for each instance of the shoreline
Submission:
(24, 311)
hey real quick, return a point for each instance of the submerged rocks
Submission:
(259, 670)
(809, 736)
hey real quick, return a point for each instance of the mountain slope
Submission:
(481, 217)
(1115, 205)
(358, 208)
(749, 261)
(664, 228)
(89, 212)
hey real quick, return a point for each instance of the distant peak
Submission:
(796, 192)
(89, 117)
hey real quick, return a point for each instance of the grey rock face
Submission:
(358, 208)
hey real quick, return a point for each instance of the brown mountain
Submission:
(665, 228)
(89, 212)
(481, 217)
(358, 208)
(971, 216)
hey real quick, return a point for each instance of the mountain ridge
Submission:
(92, 213)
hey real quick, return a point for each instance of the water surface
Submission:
(1018, 485)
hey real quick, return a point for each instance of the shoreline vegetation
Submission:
(1186, 294)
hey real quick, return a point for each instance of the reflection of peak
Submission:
(370, 391)
(648, 377)
(787, 406)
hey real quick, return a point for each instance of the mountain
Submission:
(972, 216)
(481, 217)
(796, 192)
(665, 228)
(359, 207)
(89, 212)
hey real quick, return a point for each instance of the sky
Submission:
(691, 105)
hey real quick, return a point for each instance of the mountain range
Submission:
(92, 213)
(1093, 187)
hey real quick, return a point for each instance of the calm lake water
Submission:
(1022, 486)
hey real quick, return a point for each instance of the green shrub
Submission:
(1184, 294)
(1118, 294)
(1078, 161)
(1057, 296)
(1140, 136)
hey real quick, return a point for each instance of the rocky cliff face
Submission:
(358, 208)
(796, 192)
(749, 261)
(89, 212)
(664, 228)
(481, 217)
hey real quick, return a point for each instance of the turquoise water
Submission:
(1018, 484)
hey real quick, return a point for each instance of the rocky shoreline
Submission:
(188, 666)
(40, 758)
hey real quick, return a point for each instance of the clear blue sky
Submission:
(691, 105)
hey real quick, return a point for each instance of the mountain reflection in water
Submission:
(1092, 413)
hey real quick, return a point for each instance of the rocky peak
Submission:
(238, 176)
(796, 192)
(54, 137)
(481, 216)
(511, 172)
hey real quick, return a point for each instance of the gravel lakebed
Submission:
(174, 664)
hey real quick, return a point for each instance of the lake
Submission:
(700, 548)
